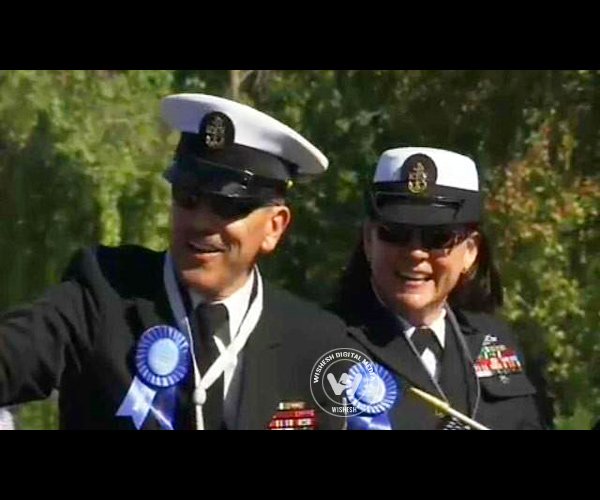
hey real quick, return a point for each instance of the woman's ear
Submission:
(471, 252)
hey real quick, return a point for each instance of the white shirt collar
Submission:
(236, 304)
(438, 325)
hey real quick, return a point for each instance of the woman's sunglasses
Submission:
(430, 237)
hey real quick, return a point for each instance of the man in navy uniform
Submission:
(192, 337)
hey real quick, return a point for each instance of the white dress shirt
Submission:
(237, 305)
(438, 326)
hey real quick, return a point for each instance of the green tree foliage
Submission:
(81, 154)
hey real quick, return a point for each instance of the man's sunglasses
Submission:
(222, 206)
(430, 237)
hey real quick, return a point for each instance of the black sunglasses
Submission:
(222, 206)
(431, 237)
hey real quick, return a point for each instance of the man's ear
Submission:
(278, 219)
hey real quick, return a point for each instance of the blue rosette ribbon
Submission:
(372, 393)
(162, 360)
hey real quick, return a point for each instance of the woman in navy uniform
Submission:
(192, 337)
(421, 289)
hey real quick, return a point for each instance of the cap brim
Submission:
(225, 186)
(421, 215)
(389, 203)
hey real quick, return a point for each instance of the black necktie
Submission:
(425, 338)
(211, 320)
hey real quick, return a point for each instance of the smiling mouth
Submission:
(203, 248)
(412, 278)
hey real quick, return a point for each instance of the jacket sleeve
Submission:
(38, 341)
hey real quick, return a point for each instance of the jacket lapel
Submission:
(259, 376)
(473, 332)
(395, 353)
(383, 336)
(151, 308)
(474, 339)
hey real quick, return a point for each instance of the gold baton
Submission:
(447, 409)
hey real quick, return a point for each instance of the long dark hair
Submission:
(479, 291)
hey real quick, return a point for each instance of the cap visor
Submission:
(421, 215)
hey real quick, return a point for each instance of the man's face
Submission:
(215, 248)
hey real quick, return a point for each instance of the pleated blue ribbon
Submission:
(374, 396)
(162, 361)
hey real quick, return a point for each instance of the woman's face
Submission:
(412, 280)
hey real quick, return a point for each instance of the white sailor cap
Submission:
(231, 149)
(425, 186)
